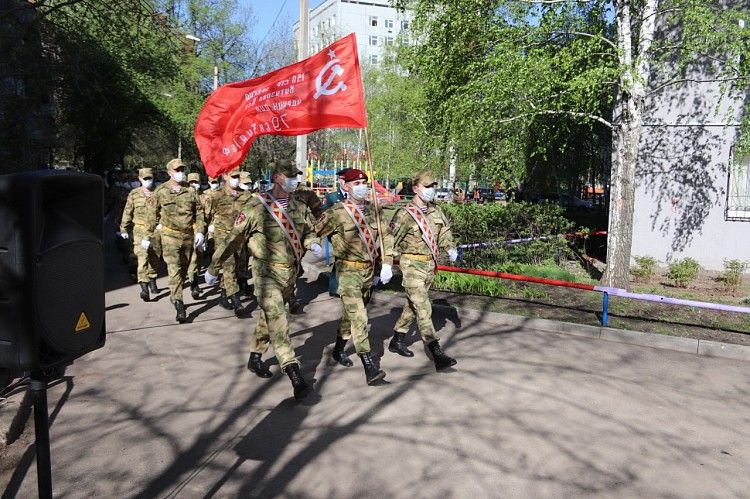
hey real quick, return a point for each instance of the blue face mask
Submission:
(290, 184)
(360, 192)
(428, 194)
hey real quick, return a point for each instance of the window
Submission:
(389, 23)
(373, 58)
(374, 40)
(333, 20)
(315, 31)
(389, 40)
(738, 190)
(404, 24)
(374, 21)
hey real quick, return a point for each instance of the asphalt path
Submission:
(168, 410)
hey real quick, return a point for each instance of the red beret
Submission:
(353, 175)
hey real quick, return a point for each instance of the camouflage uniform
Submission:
(274, 268)
(354, 269)
(242, 256)
(221, 212)
(177, 210)
(135, 221)
(197, 255)
(418, 266)
(307, 196)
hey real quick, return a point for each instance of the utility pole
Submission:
(302, 49)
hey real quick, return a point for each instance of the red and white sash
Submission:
(424, 226)
(365, 234)
(284, 221)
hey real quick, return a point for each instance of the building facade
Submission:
(376, 24)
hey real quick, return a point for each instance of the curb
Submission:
(705, 348)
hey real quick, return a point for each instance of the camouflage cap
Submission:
(245, 177)
(175, 163)
(286, 167)
(424, 178)
(194, 177)
(146, 173)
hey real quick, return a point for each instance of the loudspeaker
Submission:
(51, 268)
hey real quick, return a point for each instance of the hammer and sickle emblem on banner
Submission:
(336, 70)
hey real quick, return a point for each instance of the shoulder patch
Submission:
(240, 219)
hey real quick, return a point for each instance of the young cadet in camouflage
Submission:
(330, 199)
(194, 181)
(275, 266)
(134, 219)
(177, 210)
(355, 266)
(222, 210)
(242, 256)
(419, 249)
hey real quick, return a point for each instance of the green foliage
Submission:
(644, 268)
(470, 284)
(683, 272)
(731, 278)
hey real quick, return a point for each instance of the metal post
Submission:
(304, 42)
(605, 309)
(41, 429)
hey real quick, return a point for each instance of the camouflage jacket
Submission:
(407, 236)
(178, 209)
(345, 239)
(137, 208)
(223, 208)
(265, 239)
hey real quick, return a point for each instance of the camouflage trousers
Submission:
(194, 265)
(176, 250)
(354, 289)
(273, 286)
(148, 260)
(228, 268)
(417, 280)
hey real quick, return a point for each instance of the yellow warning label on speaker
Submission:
(83, 323)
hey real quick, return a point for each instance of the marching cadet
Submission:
(278, 228)
(330, 199)
(243, 254)
(222, 210)
(177, 210)
(194, 181)
(214, 186)
(420, 231)
(353, 227)
(134, 219)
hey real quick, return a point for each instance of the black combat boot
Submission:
(255, 364)
(338, 353)
(144, 291)
(301, 388)
(441, 360)
(180, 307)
(152, 286)
(195, 291)
(223, 300)
(239, 311)
(372, 373)
(398, 345)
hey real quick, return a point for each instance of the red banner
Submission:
(322, 91)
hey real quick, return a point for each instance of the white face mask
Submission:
(245, 187)
(147, 183)
(290, 184)
(234, 182)
(214, 185)
(179, 176)
(360, 192)
(195, 186)
(428, 194)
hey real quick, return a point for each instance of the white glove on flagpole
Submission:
(386, 273)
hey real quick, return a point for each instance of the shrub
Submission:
(645, 267)
(682, 272)
(731, 278)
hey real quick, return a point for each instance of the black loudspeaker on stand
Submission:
(51, 282)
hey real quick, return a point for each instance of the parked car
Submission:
(500, 197)
(443, 195)
(483, 195)
(566, 201)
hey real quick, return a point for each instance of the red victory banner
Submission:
(322, 91)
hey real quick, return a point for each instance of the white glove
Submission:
(317, 251)
(199, 238)
(211, 228)
(145, 243)
(452, 254)
(124, 235)
(375, 281)
(386, 273)
(158, 227)
(210, 279)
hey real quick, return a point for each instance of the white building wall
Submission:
(334, 19)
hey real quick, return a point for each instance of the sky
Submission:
(265, 11)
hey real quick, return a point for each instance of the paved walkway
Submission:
(167, 410)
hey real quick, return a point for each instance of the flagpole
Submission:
(375, 195)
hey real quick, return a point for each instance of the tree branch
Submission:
(693, 80)
(590, 35)
(568, 113)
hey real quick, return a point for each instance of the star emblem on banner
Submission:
(331, 54)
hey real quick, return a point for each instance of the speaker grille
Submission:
(69, 283)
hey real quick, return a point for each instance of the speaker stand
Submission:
(41, 441)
